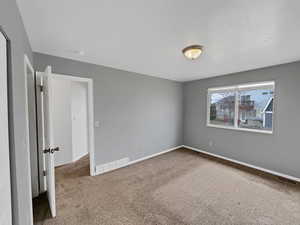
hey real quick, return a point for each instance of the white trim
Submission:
(241, 129)
(236, 89)
(79, 157)
(90, 115)
(40, 131)
(256, 85)
(5, 183)
(224, 88)
(98, 172)
(244, 164)
(242, 86)
(236, 108)
(69, 77)
(208, 105)
(27, 64)
(91, 127)
(91, 131)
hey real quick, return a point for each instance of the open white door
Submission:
(5, 190)
(49, 149)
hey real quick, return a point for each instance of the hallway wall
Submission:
(79, 115)
(11, 22)
(62, 121)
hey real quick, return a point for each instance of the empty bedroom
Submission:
(149, 112)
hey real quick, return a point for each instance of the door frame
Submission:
(40, 132)
(6, 118)
(28, 68)
(27, 64)
(90, 108)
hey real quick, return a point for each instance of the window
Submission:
(243, 107)
(222, 108)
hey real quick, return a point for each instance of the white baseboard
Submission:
(107, 167)
(79, 157)
(244, 164)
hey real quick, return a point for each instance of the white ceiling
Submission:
(147, 36)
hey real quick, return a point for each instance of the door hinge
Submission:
(44, 173)
(41, 88)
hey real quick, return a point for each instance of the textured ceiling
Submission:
(147, 36)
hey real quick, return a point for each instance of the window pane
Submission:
(256, 109)
(222, 108)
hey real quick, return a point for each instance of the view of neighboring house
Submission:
(247, 107)
(249, 114)
(268, 114)
(252, 114)
(223, 110)
(255, 114)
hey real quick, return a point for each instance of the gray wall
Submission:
(142, 115)
(11, 22)
(279, 151)
(139, 115)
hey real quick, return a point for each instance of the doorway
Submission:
(70, 119)
(65, 127)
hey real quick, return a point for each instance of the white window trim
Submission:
(236, 89)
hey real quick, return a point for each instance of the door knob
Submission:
(51, 150)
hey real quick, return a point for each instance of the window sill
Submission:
(241, 129)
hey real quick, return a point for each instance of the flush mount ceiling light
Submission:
(192, 52)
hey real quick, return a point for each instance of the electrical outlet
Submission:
(210, 143)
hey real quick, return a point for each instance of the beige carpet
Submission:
(178, 188)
